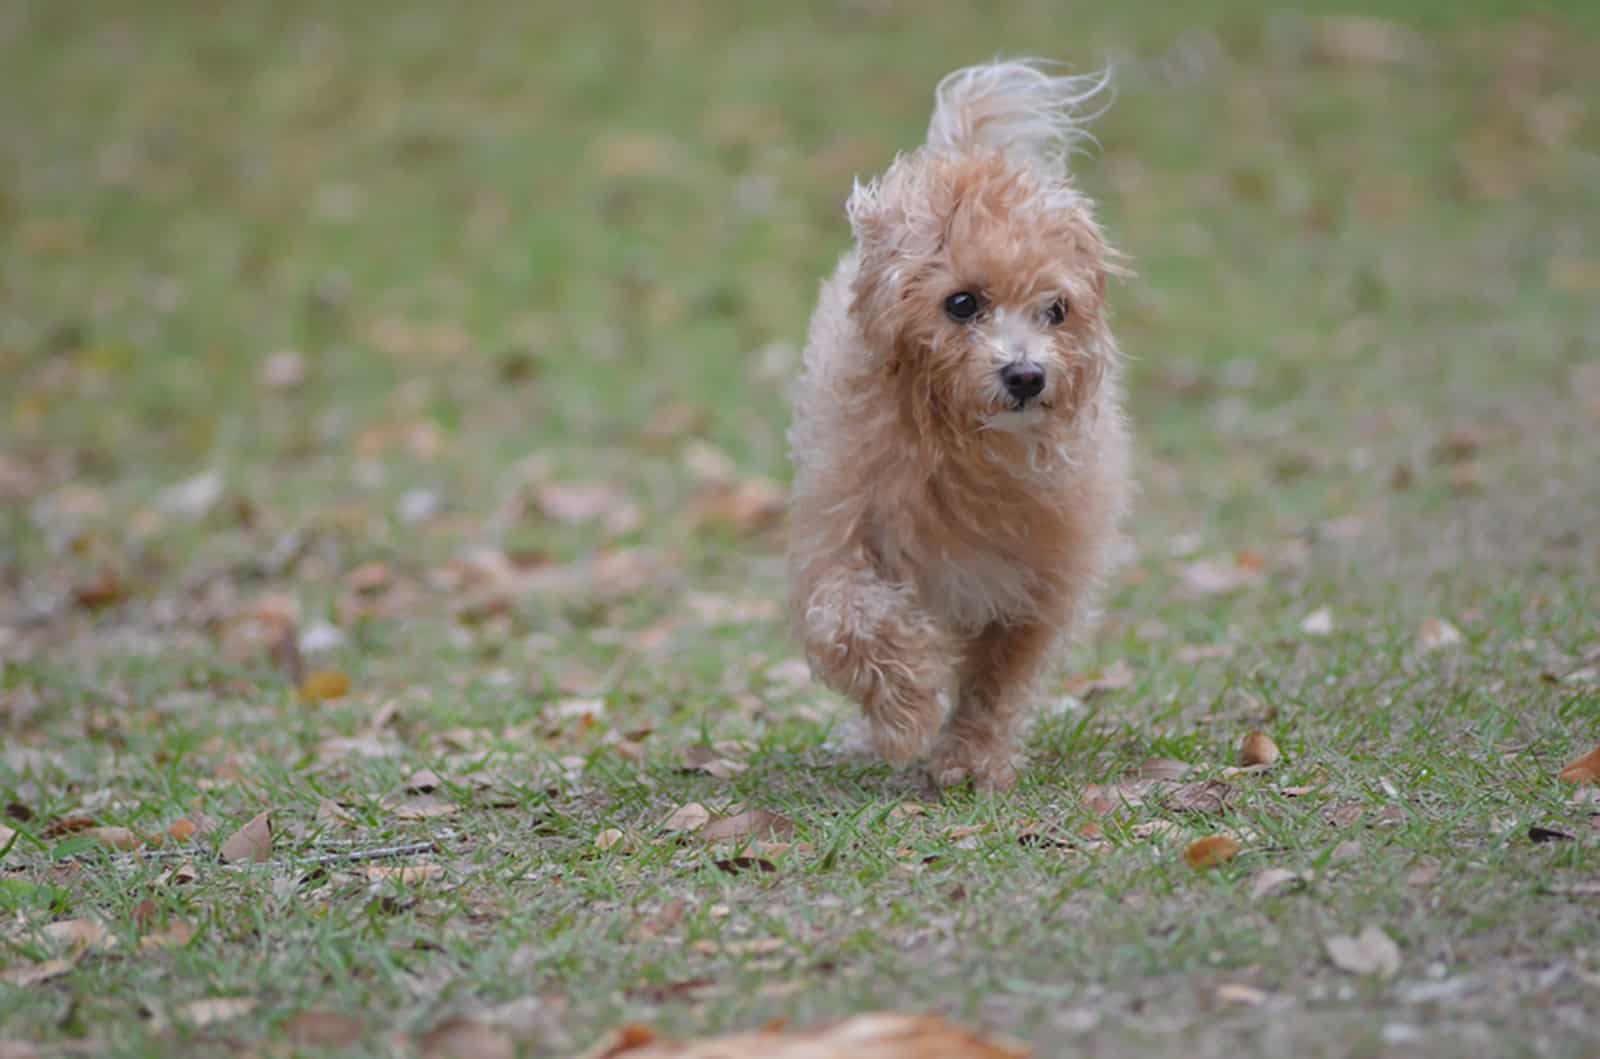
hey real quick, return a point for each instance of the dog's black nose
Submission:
(1022, 379)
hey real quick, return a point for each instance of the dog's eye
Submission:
(1057, 313)
(962, 306)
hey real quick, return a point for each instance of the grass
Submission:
(516, 245)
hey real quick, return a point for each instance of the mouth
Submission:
(1022, 404)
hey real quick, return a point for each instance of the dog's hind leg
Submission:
(871, 640)
(997, 683)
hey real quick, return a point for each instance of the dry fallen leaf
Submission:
(1243, 995)
(83, 934)
(1318, 623)
(1163, 768)
(324, 1029)
(116, 837)
(1210, 851)
(1258, 749)
(183, 830)
(735, 865)
(1220, 576)
(1372, 952)
(461, 1038)
(1207, 797)
(687, 818)
(35, 973)
(404, 874)
(176, 935)
(1436, 633)
(252, 842)
(1584, 770)
(757, 823)
(217, 1009)
(69, 825)
(745, 507)
(669, 916)
(1114, 677)
(183, 873)
(608, 839)
(423, 807)
(876, 1036)
(714, 760)
(1272, 881)
(323, 685)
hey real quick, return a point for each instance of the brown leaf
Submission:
(757, 823)
(711, 761)
(1243, 995)
(1258, 749)
(252, 842)
(1547, 834)
(81, 934)
(1190, 653)
(886, 1035)
(1584, 770)
(576, 504)
(1436, 633)
(669, 916)
(461, 1038)
(182, 830)
(69, 825)
(116, 837)
(1163, 768)
(217, 1009)
(687, 818)
(1210, 851)
(323, 685)
(176, 935)
(1272, 881)
(743, 507)
(331, 812)
(106, 588)
(423, 807)
(182, 874)
(1207, 797)
(1222, 576)
(1423, 873)
(1114, 677)
(324, 1029)
(1372, 952)
(1318, 623)
(35, 973)
(735, 865)
(1365, 40)
(404, 874)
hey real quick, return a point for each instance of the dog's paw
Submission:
(955, 767)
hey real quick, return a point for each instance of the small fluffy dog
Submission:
(960, 448)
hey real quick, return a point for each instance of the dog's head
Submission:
(981, 291)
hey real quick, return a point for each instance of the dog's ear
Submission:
(866, 210)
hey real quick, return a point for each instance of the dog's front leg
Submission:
(997, 683)
(870, 639)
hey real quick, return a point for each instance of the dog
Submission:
(960, 449)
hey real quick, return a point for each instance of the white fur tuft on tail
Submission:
(1014, 106)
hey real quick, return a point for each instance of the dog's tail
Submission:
(1014, 106)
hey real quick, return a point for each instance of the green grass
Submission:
(520, 244)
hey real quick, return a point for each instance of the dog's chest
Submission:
(968, 575)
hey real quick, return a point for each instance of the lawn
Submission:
(392, 409)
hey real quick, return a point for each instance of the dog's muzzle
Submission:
(1023, 380)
